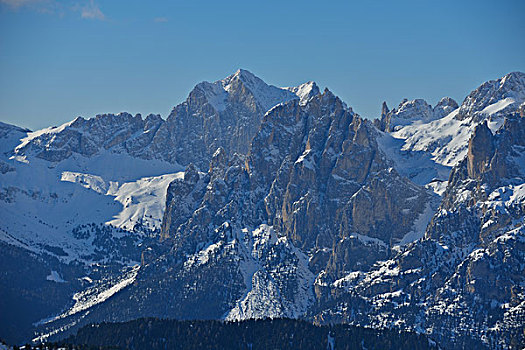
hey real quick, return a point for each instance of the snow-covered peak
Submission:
(267, 96)
(408, 112)
(246, 77)
(494, 98)
(414, 109)
(444, 107)
(446, 137)
(305, 91)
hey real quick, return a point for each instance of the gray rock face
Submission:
(315, 174)
(480, 150)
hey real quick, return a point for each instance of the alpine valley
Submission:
(251, 201)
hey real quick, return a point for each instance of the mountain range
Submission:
(254, 201)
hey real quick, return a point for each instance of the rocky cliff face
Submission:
(480, 151)
(312, 170)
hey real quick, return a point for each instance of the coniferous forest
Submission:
(153, 333)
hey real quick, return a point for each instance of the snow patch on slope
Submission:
(417, 165)
(498, 106)
(55, 277)
(89, 298)
(420, 226)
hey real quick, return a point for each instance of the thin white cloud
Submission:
(161, 19)
(92, 11)
(19, 3)
(46, 6)
(88, 9)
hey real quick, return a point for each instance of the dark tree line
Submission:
(152, 333)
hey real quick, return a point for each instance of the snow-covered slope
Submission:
(446, 138)
(43, 202)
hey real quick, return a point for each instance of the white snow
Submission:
(437, 186)
(366, 240)
(505, 197)
(92, 296)
(446, 139)
(305, 160)
(143, 201)
(51, 130)
(417, 165)
(348, 279)
(215, 94)
(92, 182)
(268, 96)
(518, 195)
(419, 227)
(45, 201)
(55, 277)
(498, 106)
(304, 91)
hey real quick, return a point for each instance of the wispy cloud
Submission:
(92, 11)
(45, 6)
(88, 9)
(19, 3)
(160, 19)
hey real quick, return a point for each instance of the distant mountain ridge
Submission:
(224, 114)
(253, 201)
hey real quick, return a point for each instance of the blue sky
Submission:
(61, 59)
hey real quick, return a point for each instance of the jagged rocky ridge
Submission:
(226, 113)
(321, 214)
(415, 110)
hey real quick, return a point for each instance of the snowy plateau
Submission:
(254, 201)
